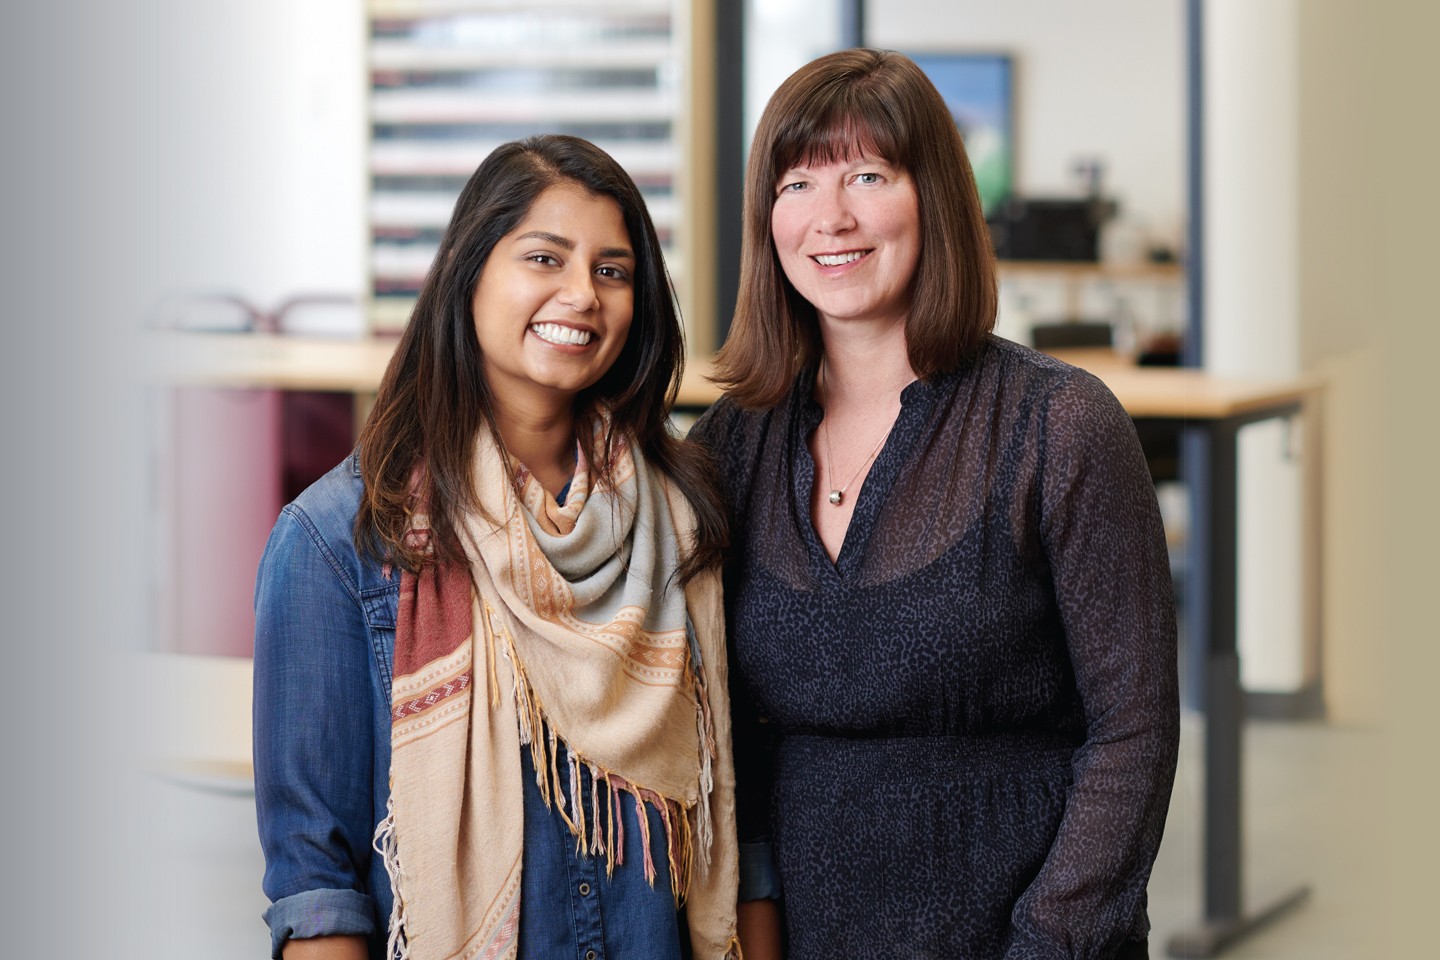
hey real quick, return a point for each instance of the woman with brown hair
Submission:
(949, 601)
(490, 688)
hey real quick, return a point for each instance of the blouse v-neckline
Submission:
(916, 400)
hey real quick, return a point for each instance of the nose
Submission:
(833, 215)
(577, 290)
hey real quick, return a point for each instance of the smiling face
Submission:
(553, 304)
(847, 234)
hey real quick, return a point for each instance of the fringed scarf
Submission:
(567, 628)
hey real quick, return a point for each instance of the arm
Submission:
(313, 740)
(1101, 532)
(327, 948)
(759, 928)
(759, 914)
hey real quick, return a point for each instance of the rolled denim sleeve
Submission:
(759, 878)
(319, 913)
(314, 737)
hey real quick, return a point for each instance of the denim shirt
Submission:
(324, 649)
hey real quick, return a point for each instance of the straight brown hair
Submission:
(844, 105)
(418, 442)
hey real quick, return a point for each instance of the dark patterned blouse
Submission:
(964, 729)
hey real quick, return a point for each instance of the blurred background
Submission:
(218, 216)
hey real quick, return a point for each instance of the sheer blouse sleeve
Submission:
(1101, 532)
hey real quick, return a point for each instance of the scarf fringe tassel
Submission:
(688, 827)
(396, 946)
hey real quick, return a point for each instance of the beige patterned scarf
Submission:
(567, 629)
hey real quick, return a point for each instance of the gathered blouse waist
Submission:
(929, 758)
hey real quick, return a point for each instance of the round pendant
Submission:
(836, 496)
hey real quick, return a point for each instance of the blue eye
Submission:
(795, 187)
(867, 178)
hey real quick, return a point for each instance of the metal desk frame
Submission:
(1211, 465)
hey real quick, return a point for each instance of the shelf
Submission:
(450, 80)
(432, 210)
(421, 158)
(425, 9)
(491, 107)
(1076, 275)
(1083, 270)
(406, 56)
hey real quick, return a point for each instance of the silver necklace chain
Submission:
(837, 494)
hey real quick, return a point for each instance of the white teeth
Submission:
(836, 259)
(555, 333)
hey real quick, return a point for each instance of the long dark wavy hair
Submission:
(434, 399)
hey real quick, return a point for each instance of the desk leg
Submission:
(1215, 676)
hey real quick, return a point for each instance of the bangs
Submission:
(841, 129)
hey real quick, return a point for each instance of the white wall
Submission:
(1252, 308)
(780, 37)
(1251, 187)
(262, 165)
(1103, 78)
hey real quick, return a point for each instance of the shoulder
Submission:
(737, 437)
(716, 426)
(1050, 389)
(322, 519)
(1027, 369)
(330, 504)
(1077, 426)
(728, 428)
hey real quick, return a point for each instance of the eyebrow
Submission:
(564, 243)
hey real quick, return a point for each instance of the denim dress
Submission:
(324, 649)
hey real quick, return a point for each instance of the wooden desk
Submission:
(267, 361)
(1209, 413)
(205, 739)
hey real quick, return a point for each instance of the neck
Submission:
(543, 440)
(865, 365)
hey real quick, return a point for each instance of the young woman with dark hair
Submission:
(490, 688)
(948, 595)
